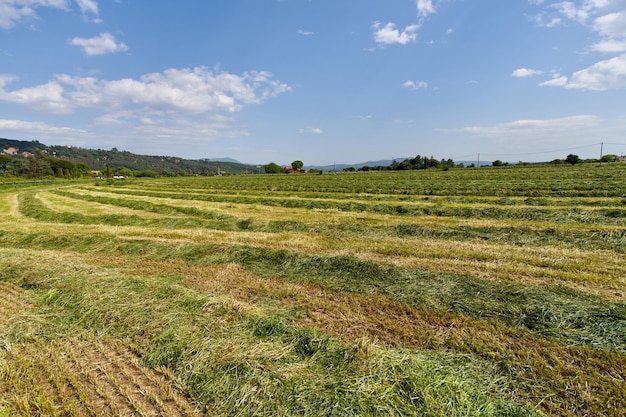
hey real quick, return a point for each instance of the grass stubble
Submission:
(226, 317)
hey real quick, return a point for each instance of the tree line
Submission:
(38, 165)
(424, 162)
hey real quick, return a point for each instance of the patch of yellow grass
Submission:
(64, 204)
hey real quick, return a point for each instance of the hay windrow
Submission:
(467, 292)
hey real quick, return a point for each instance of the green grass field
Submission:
(469, 292)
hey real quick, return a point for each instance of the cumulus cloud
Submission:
(415, 85)
(104, 43)
(47, 97)
(13, 12)
(193, 91)
(525, 72)
(389, 34)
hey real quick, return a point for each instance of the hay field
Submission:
(471, 292)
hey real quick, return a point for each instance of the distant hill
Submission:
(339, 167)
(225, 159)
(99, 159)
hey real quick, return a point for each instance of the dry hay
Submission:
(86, 378)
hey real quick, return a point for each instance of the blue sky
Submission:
(317, 80)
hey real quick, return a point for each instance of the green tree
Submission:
(62, 167)
(572, 159)
(431, 163)
(417, 162)
(4, 164)
(272, 168)
(404, 165)
(497, 163)
(297, 165)
(4, 161)
(38, 166)
(82, 169)
(125, 172)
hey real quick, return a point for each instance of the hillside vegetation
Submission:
(100, 159)
(470, 292)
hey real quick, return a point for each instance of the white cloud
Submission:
(304, 33)
(573, 11)
(610, 46)
(611, 25)
(601, 76)
(557, 80)
(607, 20)
(415, 85)
(534, 127)
(88, 6)
(46, 97)
(104, 43)
(389, 34)
(425, 7)
(191, 91)
(315, 130)
(13, 12)
(42, 131)
(612, 29)
(554, 22)
(525, 72)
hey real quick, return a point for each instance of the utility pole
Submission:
(478, 164)
(601, 149)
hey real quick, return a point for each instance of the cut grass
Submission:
(249, 370)
(300, 295)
